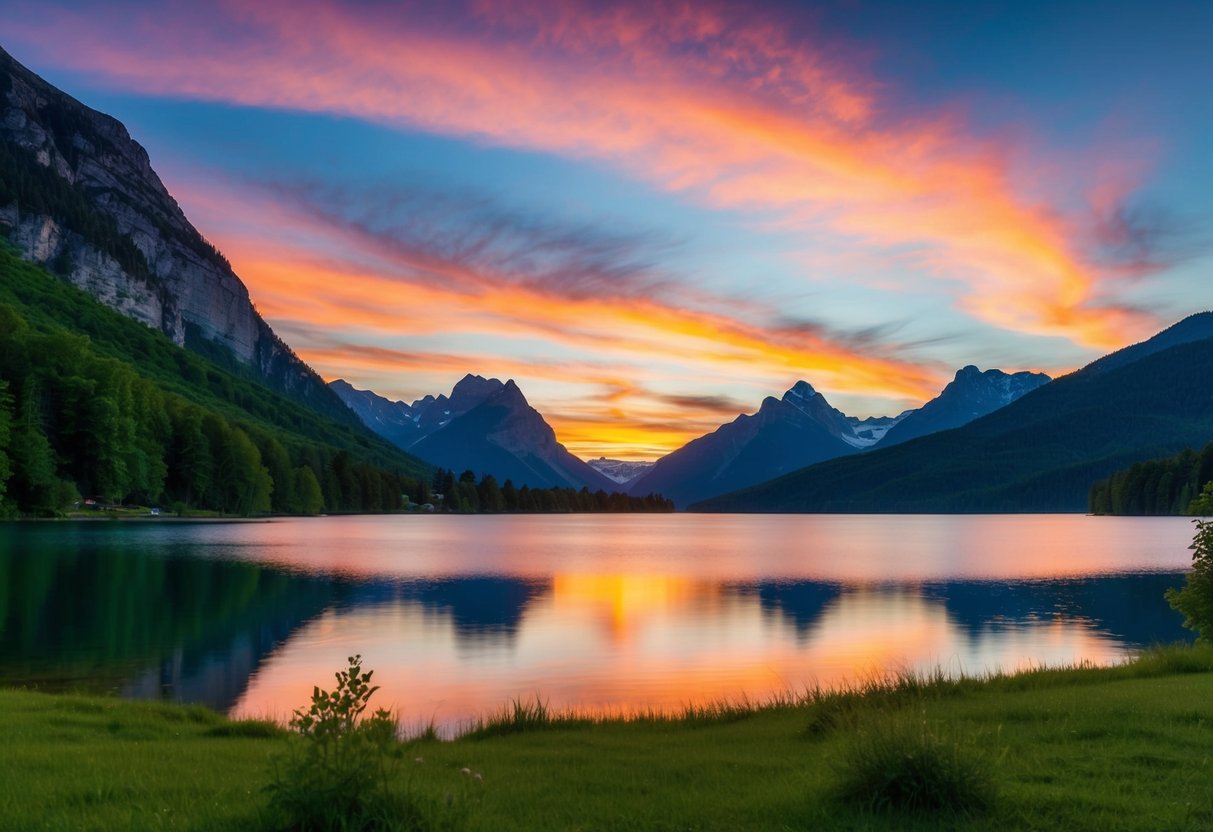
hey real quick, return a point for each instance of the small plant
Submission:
(907, 766)
(340, 770)
(1202, 506)
(1195, 600)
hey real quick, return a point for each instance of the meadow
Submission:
(1128, 747)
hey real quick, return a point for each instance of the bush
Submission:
(1195, 600)
(1202, 506)
(903, 766)
(339, 772)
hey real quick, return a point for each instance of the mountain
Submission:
(95, 404)
(872, 429)
(483, 426)
(619, 471)
(404, 425)
(79, 196)
(394, 421)
(971, 395)
(1042, 452)
(788, 433)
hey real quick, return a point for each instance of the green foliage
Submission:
(1195, 599)
(910, 766)
(307, 496)
(6, 418)
(1202, 506)
(102, 406)
(342, 773)
(1157, 486)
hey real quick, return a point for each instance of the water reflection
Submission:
(246, 618)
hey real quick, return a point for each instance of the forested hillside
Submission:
(1040, 453)
(1157, 486)
(93, 404)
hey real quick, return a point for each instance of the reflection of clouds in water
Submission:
(458, 615)
(738, 548)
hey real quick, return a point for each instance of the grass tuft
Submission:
(251, 729)
(908, 766)
(522, 716)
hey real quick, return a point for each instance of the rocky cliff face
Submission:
(79, 196)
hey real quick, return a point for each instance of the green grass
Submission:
(1124, 748)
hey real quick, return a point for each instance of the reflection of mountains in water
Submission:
(482, 608)
(103, 616)
(1129, 607)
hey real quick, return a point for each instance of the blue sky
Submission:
(653, 215)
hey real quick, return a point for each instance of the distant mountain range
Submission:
(1041, 452)
(801, 429)
(484, 426)
(488, 427)
(619, 471)
(785, 434)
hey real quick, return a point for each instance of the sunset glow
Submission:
(653, 215)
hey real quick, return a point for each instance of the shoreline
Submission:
(1055, 746)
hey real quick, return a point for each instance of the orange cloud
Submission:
(707, 100)
(599, 368)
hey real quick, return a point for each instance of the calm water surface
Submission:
(459, 615)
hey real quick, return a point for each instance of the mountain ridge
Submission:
(1042, 452)
(973, 393)
(784, 434)
(801, 429)
(79, 196)
(485, 426)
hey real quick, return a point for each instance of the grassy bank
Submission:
(1100, 749)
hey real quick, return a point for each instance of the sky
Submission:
(652, 215)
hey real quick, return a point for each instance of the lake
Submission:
(599, 613)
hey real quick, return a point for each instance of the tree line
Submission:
(76, 425)
(467, 495)
(1158, 486)
(110, 410)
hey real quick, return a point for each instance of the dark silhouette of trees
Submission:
(1157, 486)
(467, 495)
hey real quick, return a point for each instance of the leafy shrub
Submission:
(903, 766)
(339, 772)
(1195, 600)
(1202, 506)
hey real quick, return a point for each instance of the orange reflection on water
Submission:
(622, 643)
(625, 603)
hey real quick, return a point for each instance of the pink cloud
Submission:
(709, 101)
